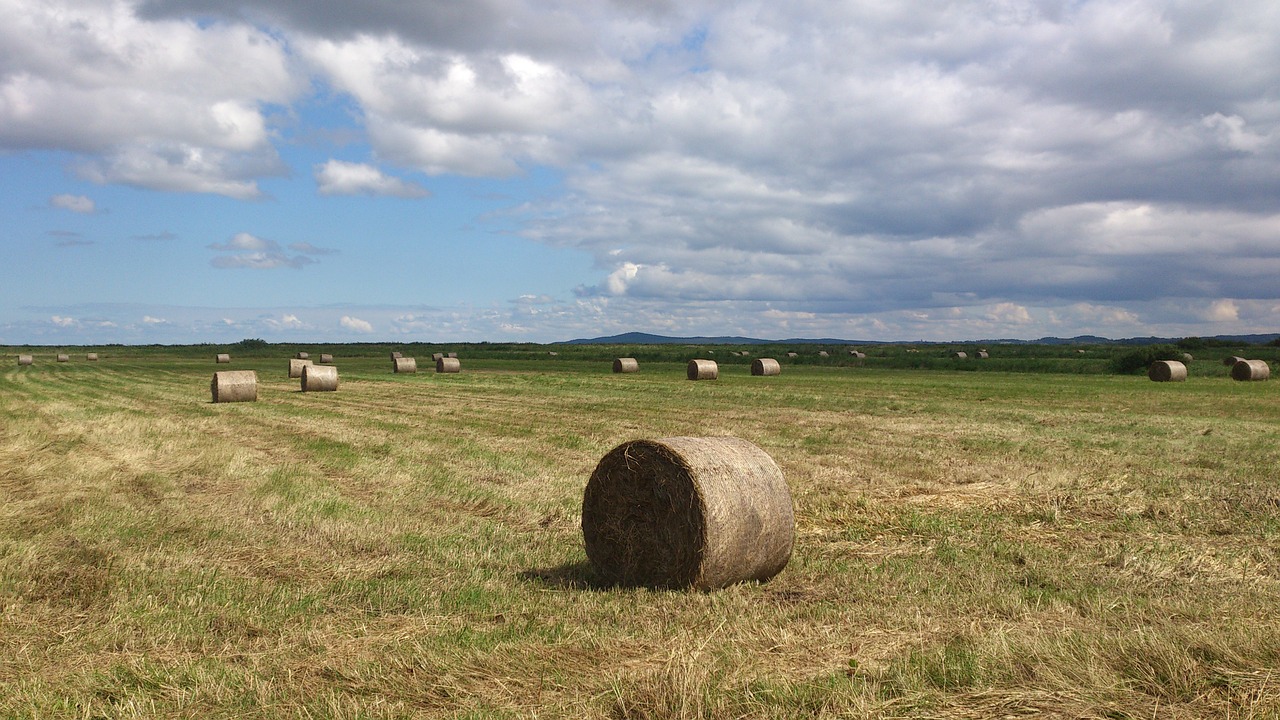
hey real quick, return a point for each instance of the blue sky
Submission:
(177, 171)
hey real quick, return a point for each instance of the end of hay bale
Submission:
(25, 360)
(687, 512)
(1250, 370)
(703, 370)
(626, 365)
(765, 367)
(404, 365)
(1167, 371)
(295, 367)
(448, 365)
(326, 358)
(222, 358)
(319, 378)
(234, 386)
(91, 357)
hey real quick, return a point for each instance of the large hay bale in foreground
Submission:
(703, 370)
(1231, 360)
(222, 358)
(404, 365)
(64, 358)
(626, 365)
(448, 365)
(687, 512)
(234, 386)
(91, 357)
(295, 367)
(1167, 371)
(1251, 370)
(319, 378)
(765, 366)
(325, 358)
(25, 360)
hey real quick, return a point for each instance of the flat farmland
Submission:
(968, 544)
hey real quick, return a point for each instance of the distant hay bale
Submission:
(1251, 370)
(64, 358)
(983, 355)
(703, 370)
(625, 365)
(91, 357)
(765, 366)
(435, 357)
(552, 353)
(234, 386)
(453, 355)
(448, 365)
(222, 358)
(396, 355)
(1187, 357)
(302, 356)
(404, 365)
(823, 353)
(326, 358)
(25, 360)
(793, 354)
(295, 367)
(687, 512)
(1231, 360)
(858, 355)
(960, 355)
(1167, 371)
(319, 378)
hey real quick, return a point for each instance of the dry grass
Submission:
(1074, 547)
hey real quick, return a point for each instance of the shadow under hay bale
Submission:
(765, 366)
(319, 378)
(234, 386)
(1247, 370)
(448, 365)
(626, 365)
(687, 512)
(1167, 371)
(404, 365)
(295, 367)
(222, 358)
(25, 360)
(703, 370)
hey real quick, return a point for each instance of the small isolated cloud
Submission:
(356, 324)
(249, 251)
(343, 178)
(147, 319)
(287, 321)
(74, 203)
(1222, 311)
(62, 321)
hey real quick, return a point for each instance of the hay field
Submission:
(969, 545)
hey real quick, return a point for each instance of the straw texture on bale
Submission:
(326, 358)
(1167, 371)
(234, 386)
(703, 370)
(1251, 370)
(960, 355)
(303, 356)
(221, 358)
(295, 367)
(64, 358)
(405, 365)
(319, 378)
(396, 356)
(625, 365)
(765, 366)
(25, 360)
(448, 365)
(687, 512)
(983, 355)
(91, 357)
(435, 357)
(1231, 361)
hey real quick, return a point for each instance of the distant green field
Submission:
(1042, 538)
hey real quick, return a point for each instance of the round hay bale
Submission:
(453, 355)
(1251, 370)
(405, 365)
(91, 357)
(553, 353)
(703, 370)
(1231, 360)
(1187, 357)
(303, 356)
(858, 355)
(396, 356)
(436, 357)
(960, 355)
(319, 378)
(983, 355)
(222, 358)
(295, 367)
(687, 512)
(234, 386)
(765, 366)
(64, 358)
(448, 365)
(25, 360)
(823, 353)
(1167, 371)
(793, 354)
(326, 358)
(625, 365)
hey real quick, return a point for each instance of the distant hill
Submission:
(639, 338)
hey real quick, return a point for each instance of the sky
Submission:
(186, 171)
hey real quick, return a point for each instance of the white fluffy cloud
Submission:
(355, 324)
(345, 178)
(245, 250)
